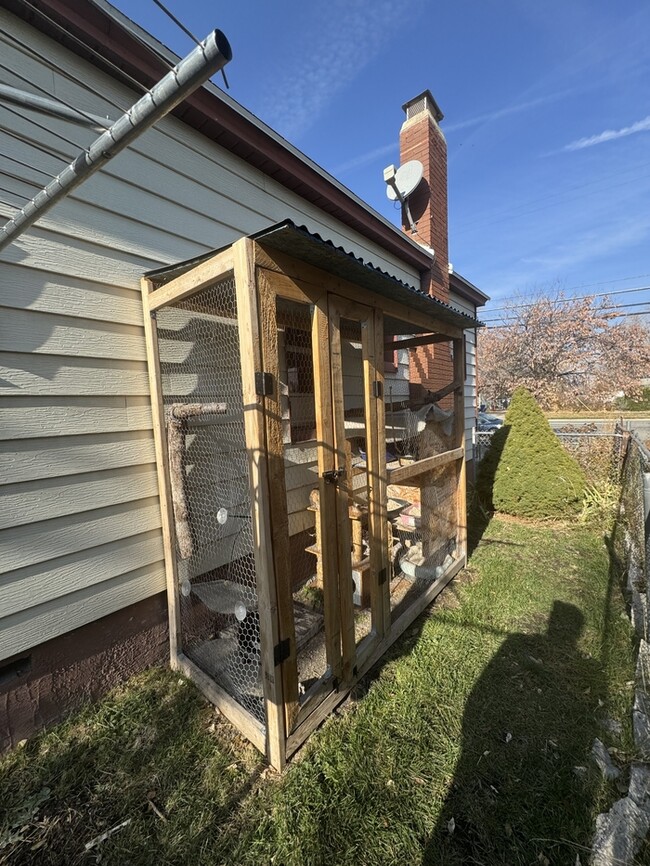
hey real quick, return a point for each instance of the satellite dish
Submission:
(404, 181)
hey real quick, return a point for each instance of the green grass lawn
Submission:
(476, 722)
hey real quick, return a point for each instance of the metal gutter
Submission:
(206, 59)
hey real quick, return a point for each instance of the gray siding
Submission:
(79, 518)
(471, 406)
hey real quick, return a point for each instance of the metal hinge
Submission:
(263, 384)
(332, 475)
(281, 651)
(378, 389)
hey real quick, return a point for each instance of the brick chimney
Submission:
(421, 138)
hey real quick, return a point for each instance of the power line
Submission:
(185, 31)
(513, 318)
(511, 322)
(574, 298)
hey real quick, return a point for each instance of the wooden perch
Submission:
(176, 430)
(181, 411)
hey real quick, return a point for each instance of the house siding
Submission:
(79, 520)
(471, 406)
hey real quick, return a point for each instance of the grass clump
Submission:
(527, 472)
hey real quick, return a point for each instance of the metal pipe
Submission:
(25, 99)
(206, 59)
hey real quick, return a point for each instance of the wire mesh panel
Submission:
(356, 481)
(198, 342)
(305, 562)
(422, 515)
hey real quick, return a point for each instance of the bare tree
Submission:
(567, 352)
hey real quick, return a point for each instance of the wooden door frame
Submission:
(270, 287)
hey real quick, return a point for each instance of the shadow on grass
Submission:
(146, 755)
(528, 721)
(480, 507)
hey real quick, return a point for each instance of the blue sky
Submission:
(547, 118)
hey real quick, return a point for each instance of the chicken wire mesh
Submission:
(198, 343)
(298, 419)
(422, 516)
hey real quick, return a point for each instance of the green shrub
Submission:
(527, 472)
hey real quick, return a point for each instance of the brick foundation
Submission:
(43, 685)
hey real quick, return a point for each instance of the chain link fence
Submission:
(599, 453)
(635, 519)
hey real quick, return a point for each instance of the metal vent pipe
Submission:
(206, 59)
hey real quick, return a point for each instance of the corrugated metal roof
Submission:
(308, 247)
(298, 241)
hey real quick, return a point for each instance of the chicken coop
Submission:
(308, 416)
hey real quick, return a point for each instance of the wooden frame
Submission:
(260, 275)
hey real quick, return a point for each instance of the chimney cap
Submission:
(423, 102)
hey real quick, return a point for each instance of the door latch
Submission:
(332, 476)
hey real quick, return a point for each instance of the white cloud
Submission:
(346, 35)
(610, 135)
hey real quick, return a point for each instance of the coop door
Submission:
(319, 405)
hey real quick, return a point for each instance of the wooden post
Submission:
(459, 442)
(162, 466)
(251, 362)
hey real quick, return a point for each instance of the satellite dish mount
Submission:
(401, 183)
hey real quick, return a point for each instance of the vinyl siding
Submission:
(471, 406)
(79, 518)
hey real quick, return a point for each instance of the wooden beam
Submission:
(198, 278)
(381, 481)
(251, 362)
(369, 656)
(460, 367)
(414, 342)
(343, 496)
(162, 467)
(276, 495)
(373, 388)
(414, 470)
(327, 492)
(456, 385)
(301, 271)
(249, 726)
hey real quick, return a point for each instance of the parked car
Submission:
(486, 423)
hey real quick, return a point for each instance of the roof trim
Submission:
(106, 36)
(306, 246)
(467, 290)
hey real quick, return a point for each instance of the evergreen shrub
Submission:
(527, 472)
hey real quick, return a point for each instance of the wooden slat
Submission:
(408, 616)
(368, 657)
(200, 277)
(414, 342)
(413, 470)
(343, 489)
(327, 492)
(277, 493)
(460, 365)
(378, 514)
(162, 467)
(249, 726)
(251, 362)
